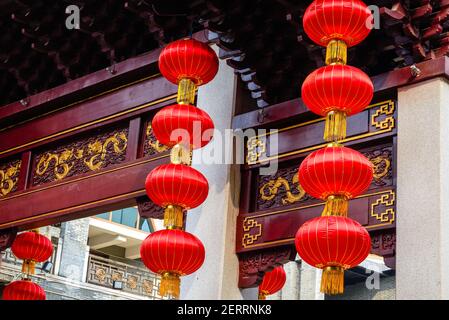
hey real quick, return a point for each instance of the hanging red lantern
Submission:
(23, 290)
(191, 122)
(333, 244)
(188, 63)
(176, 184)
(176, 187)
(337, 24)
(172, 254)
(337, 91)
(272, 282)
(335, 174)
(31, 247)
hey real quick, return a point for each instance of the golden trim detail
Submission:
(385, 125)
(9, 177)
(248, 225)
(387, 200)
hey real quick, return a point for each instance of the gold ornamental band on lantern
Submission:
(335, 126)
(180, 154)
(332, 280)
(336, 52)
(263, 294)
(336, 205)
(174, 217)
(186, 91)
(170, 284)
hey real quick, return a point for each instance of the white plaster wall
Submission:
(214, 221)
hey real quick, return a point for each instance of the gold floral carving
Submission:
(248, 237)
(383, 208)
(100, 274)
(271, 188)
(147, 286)
(131, 282)
(383, 117)
(9, 176)
(382, 165)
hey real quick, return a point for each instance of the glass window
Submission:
(117, 216)
(104, 215)
(145, 225)
(129, 217)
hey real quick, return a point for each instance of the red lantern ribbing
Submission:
(172, 253)
(335, 173)
(183, 124)
(178, 187)
(272, 282)
(23, 290)
(333, 244)
(31, 247)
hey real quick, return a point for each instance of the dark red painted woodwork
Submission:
(90, 111)
(75, 195)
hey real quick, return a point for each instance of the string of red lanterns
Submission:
(31, 247)
(335, 174)
(177, 187)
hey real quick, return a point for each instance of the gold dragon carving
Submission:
(273, 186)
(93, 158)
(8, 178)
(153, 143)
(270, 189)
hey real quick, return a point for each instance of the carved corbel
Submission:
(254, 264)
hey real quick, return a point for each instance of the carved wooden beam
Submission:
(253, 265)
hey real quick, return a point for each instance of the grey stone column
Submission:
(75, 251)
(309, 283)
(214, 221)
(422, 247)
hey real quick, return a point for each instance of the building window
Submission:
(128, 217)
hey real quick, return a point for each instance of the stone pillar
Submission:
(214, 221)
(422, 248)
(75, 251)
(309, 283)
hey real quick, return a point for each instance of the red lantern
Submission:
(334, 244)
(176, 184)
(188, 58)
(188, 63)
(23, 290)
(347, 20)
(272, 282)
(337, 88)
(172, 253)
(31, 247)
(191, 122)
(337, 91)
(335, 174)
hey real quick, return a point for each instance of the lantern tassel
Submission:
(335, 126)
(170, 284)
(332, 280)
(28, 266)
(173, 217)
(263, 295)
(186, 91)
(336, 205)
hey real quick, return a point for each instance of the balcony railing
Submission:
(138, 280)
